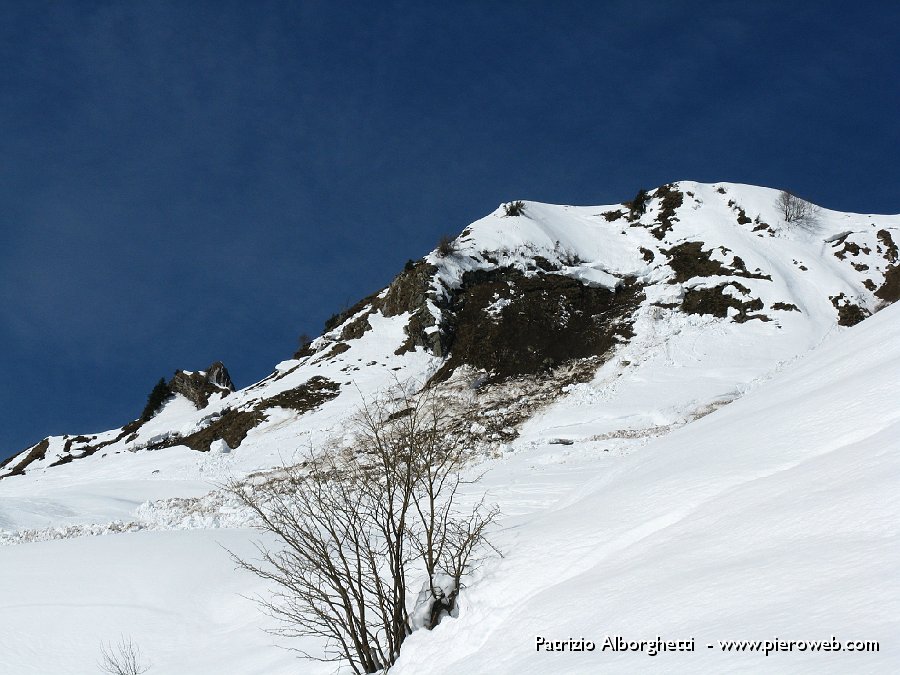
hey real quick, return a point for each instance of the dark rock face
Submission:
(891, 252)
(218, 375)
(688, 260)
(197, 387)
(511, 324)
(410, 292)
(542, 320)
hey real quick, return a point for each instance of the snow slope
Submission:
(669, 513)
(774, 516)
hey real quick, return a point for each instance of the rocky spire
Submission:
(198, 386)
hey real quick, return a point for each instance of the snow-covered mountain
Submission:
(706, 272)
(603, 346)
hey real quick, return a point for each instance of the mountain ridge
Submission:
(535, 294)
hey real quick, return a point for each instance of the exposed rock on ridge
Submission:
(198, 386)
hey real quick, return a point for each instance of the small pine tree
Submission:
(638, 205)
(516, 208)
(157, 397)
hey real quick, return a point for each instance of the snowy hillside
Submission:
(773, 518)
(686, 432)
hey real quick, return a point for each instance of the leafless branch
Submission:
(355, 522)
(797, 211)
(123, 658)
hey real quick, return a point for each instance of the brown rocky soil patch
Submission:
(714, 301)
(672, 198)
(311, 394)
(232, 427)
(35, 453)
(786, 306)
(849, 313)
(689, 260)
(891, 248)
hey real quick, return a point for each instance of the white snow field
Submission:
(715, 480)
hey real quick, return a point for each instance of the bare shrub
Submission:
(357, 522)
(516, 208)
(123, 658)
(797, 211)
(447, 246)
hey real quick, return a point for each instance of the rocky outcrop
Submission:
(410, 291)
(198, 386)
(511, 324)
(34, 453)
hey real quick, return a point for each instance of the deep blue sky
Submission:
(185, 182)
